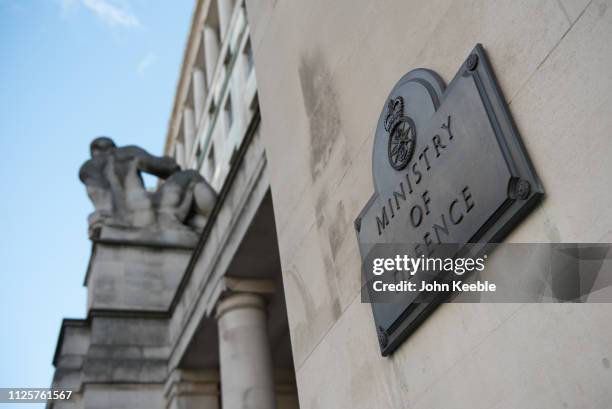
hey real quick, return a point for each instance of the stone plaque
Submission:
(448, 167)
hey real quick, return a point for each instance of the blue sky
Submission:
(69, 70)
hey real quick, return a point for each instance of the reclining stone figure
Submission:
(113, 178)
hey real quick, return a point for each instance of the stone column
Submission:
(211, 52)
(225, 13)
(180, 154)
(188, 131)
(199, 93)
(247, 379)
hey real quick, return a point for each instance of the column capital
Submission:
(240, 300)
(227, 286)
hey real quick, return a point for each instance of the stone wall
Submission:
(324, 70)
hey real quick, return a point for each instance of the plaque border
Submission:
(524, 192)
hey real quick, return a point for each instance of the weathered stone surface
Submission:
(124, 397)
(97, 357)
(192, 389)
(552, 61)
(126, 277)
(564, 105)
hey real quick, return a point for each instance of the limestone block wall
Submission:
(112, 362)
(324, 70)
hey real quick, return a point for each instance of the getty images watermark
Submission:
(508, 272)
(402, 265)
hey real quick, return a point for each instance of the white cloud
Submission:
(112, 12)
(108, 11)
(145, 63)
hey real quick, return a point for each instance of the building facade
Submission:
(324, 72)
(276, 108)
(186, 306)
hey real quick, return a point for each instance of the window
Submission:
(198, 151)
(248, 58)
(228, 58)
(229, 115)
(211, 162)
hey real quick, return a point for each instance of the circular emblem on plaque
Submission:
(402, 134)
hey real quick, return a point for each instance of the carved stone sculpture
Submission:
(113, 178)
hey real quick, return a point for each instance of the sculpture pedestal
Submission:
(118, 356)
(131, 269)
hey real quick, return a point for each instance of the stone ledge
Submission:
(184, 238)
